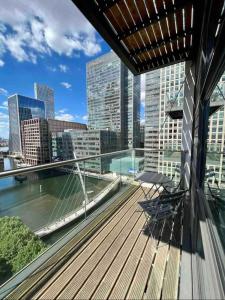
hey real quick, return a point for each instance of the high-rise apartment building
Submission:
(35, 141)
(114, 99)
(46, 94)
(164, 93)
(21, 108)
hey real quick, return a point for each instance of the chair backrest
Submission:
(172, 195)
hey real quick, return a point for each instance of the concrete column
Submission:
(187, 130)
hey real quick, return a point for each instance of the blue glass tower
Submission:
(21, 108)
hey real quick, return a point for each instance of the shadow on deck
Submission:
(122, 259)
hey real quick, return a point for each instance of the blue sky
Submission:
(46, 41)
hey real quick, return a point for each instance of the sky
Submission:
(50, 42)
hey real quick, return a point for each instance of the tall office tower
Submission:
(152, 103)
(164, 93)
(114, 99)
(35, 141)
(216, 136)
(142, 135)
(21, 108)
(46, 94)
(163, 121)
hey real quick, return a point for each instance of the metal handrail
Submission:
(58, 164)
(67, 162)
(160, 150)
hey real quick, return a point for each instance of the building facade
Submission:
(35, 141)
(21, 108)
(114, 99)
(59, 126)
(83, 143)
(165, 93)
(46, 94)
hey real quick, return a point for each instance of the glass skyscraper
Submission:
(46, 94)
(21, 108)
(114, 99)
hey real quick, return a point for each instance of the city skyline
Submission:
(62, 69)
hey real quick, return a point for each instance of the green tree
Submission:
(5, 270)
(18, 244)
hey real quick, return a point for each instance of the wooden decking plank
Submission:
(141, 273)
(99, 234)
(155, 282)
(67, 274)
(118, 236)
(113, 259)
(186, 275)
(109, 280)
(171, 279)
(38, 278)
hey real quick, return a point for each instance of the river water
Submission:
(44, 196)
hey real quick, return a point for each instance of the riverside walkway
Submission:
(121, 259)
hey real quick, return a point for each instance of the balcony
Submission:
(175, 110)
(101, 241)
(103, 255)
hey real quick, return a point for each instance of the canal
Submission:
(45, 196)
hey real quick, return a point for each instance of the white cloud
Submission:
(4, 105)
(52, 69)
(4, 125)
(63, 68)
(143, 90)
(1, 63)
(85, 117)
(142, 122)
(38, 28)
(3, 92)
(62, 111)
(64, 117)
(66, 85)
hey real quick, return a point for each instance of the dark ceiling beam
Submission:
(161, 42)
(197, 21)
(217, 64)
(155, 18)
(90, 10)
(104, 5)
(164, 60)
(208, 49)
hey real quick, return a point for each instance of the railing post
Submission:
(133, 159)
(188, 123)
(85, 192)
(120, 172)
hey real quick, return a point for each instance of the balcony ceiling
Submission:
(149, 34)
(145, 34)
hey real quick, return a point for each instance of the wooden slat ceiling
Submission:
(146, 34)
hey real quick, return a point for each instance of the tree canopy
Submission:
(18, 245)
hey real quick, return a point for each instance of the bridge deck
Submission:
(124, 258)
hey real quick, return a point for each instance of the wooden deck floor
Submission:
(122, 260)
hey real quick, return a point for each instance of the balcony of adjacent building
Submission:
(174, 109)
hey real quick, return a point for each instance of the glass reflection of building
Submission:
(114, 99)
(21, 108)
(46, 94)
